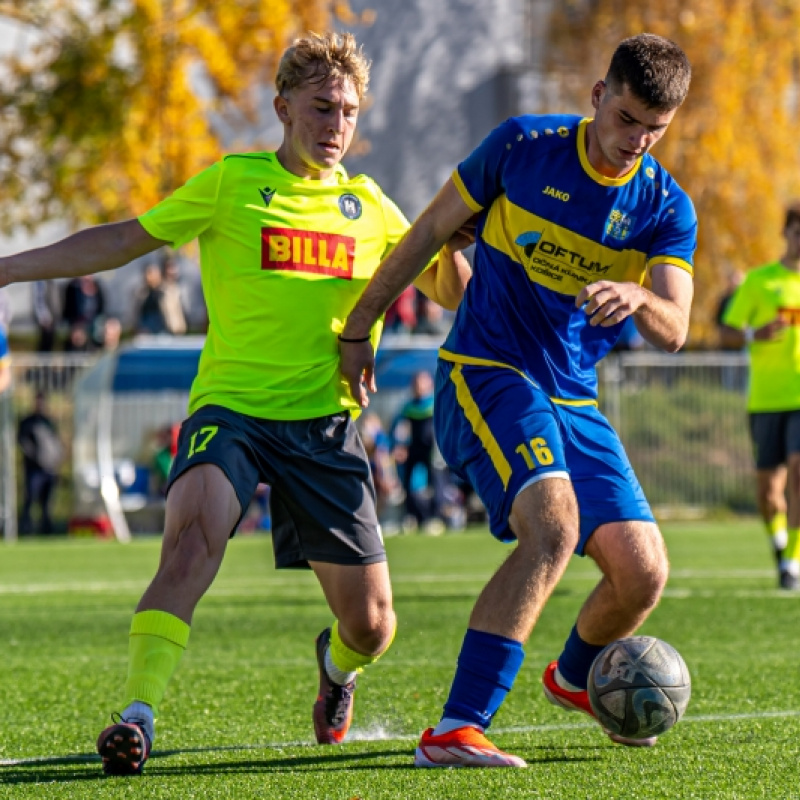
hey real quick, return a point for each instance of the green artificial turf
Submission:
(236, 719)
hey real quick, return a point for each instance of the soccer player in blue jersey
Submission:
(573, 217)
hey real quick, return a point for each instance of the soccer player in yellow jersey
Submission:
(287, 243)
(764, 312)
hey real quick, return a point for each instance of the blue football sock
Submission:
(575, 661)
(487, 667)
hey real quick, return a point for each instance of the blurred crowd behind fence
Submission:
(681, 417)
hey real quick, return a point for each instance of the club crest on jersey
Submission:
(292, 250)
(619, 224)
(350, 206)
(266, 195)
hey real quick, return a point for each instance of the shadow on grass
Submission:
(47, 769)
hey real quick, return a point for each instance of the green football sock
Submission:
(348, 660)
(776, 529)
(156, 643)
(792, 550)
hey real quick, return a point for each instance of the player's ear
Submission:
(281, 105)
(598, 90)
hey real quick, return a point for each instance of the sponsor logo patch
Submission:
(292, 250)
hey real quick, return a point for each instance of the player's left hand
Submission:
(357, 365)
(607, 303)
(464, 236)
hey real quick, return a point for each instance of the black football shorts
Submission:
(322, 499)
(775, 434)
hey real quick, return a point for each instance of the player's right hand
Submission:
(357, 365)
(772, 330)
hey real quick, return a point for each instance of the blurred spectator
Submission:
(172, 304)
(431, 320)
(46, 314)
(378, 445)
(42, 456)
(5, 311)
(149, 313)
(78, 340)
(414, 453)
(84, 304)
(163, 448)
(112, 333)
(5, 361)
(401, 316)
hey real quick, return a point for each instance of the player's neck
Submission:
(597, 158)
(296, 166)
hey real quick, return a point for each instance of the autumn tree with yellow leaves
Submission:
(734, 145)
(114, 103)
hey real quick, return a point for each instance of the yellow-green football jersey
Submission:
(767, 293)
(283, 261)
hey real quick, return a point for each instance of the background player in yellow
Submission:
(287, 242)
(764, 312)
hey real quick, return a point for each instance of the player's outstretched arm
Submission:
(87, 252)
(661, 314)
(446, 214)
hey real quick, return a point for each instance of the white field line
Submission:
(272, 581)
(383, 734)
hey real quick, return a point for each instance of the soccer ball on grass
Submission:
(639, 687)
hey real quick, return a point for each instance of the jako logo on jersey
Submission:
(291, 250)
(533, 244)
(350, 206)
(619, 224)
(555, 193)
(266, 195)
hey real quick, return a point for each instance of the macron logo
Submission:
(266, 195)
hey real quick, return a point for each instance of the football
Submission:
(639, 687)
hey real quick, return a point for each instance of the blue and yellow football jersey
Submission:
(549, 224)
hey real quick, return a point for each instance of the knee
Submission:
(645, 581)
(371, 632)
(546, 523)
(187, 554)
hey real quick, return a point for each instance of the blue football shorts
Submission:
(500, 432)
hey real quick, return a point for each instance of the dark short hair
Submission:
(655, 69)
(792, 214)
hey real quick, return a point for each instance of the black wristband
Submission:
(353, 341)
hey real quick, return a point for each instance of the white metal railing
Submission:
(8, 472)
(681, 417)
(683, 421)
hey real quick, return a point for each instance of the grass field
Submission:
(236, 719)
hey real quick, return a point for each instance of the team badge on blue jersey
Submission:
(528, 241)
(266, 195)
(350, 206)
(619, 224)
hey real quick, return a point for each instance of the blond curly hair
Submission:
(317, 57)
